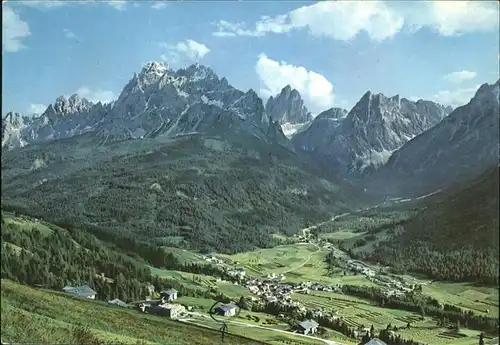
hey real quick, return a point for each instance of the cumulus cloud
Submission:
(37, 109)
(344, 20)
(339, 20)
(186, 50)
(96, 95)
(460, 76)
(14, 30)
(450, 18)
(158, 5)
(457, 97)
(315, 89)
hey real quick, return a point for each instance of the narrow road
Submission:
(305, 262)
(328, 342)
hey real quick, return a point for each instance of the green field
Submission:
(465, 295)
(357, 312)
(341, 235)
(26, 224)
(298, 262)
(272, 260)
(34, 316)
(202, 282)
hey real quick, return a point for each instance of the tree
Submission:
(372, 331)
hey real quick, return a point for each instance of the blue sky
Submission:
(332, 52)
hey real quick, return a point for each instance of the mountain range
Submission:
(180, 158)
(364, 139)
(156, 102)
(184, 151)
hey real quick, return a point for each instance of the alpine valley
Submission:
(387, 213)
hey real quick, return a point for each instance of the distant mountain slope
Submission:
(455, 236)
(375, 127)
(459, 147)
(207, 192)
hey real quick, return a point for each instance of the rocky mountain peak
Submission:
(154, 67)
(13, 119)
(69, 106)
(288, 107)
(333, 113)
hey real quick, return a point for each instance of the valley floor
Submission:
(53, 317)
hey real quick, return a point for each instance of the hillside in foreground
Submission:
(454, 237)
(38, 316)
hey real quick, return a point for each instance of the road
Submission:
(305, 262)
(328, 342)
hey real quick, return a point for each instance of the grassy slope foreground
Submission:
(196, 192)
(455, 237)
(37, 316)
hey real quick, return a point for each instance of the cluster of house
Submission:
(236, 272)
(85, 291)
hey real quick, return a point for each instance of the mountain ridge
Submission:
(151, 102)
(366, 137)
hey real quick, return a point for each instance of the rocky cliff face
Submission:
(374, 128)
(288, 107)
(459, 147)
(155, 102)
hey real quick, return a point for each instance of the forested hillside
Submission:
(194, 192)
(43, 254)
(455, 236)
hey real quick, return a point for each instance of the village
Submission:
(271, 289)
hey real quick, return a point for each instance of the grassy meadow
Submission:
(38, 316)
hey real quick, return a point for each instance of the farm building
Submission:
(308, 327)
(169, 295)
(226, 310)
(376, 341)
(172, 311)
(83, 291)
(118, 302)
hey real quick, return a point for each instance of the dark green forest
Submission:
(77, 257)
(197, 193)
(455, 237)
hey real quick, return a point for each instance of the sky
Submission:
(332, 52)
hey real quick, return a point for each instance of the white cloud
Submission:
(460, 76)
(451, 18)
(37, 109)
(118, 4)
(457, 97)
(14, 29)
(339, 20)
(69, 34)
(344, 20)
(315, 89)
(188, 49)
(96, 95)
(44, 5)
(158, 5)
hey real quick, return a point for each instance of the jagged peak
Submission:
(287, 89)
(333, 113)
(154, 67)
(487, 88)
(197, 72)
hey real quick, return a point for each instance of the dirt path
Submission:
(328, 342)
